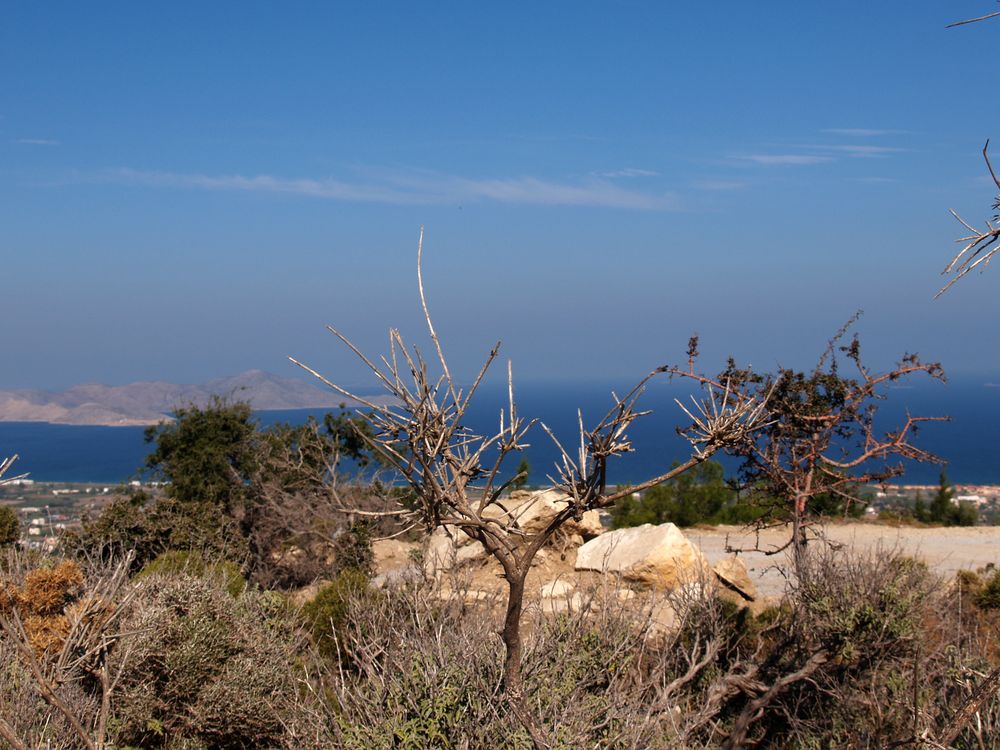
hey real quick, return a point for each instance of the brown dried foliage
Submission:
(42, 603)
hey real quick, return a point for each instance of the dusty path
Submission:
(946, 550)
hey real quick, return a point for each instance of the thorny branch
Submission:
(980, 246)
(456, 476)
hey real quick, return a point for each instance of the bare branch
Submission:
(980, 246)
(973, 20)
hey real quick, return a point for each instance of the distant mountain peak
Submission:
(149, 402)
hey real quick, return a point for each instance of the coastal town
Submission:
(45, 509)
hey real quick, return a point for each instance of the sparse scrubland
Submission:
(249, 604)
(861, 651)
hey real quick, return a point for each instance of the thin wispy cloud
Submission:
(860, 151)
(819, 153)
(862, 132)
(785, 159)
(417, 188)
(719, 185)
(36, 142)
(626, 172)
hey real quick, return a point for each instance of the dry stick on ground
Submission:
(983, 692)
(755, 708)
(456, 475)
(820, 436)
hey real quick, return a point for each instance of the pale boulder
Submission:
(733, 574)
(594, 523)
(560, 596)
(533, 510)
(556, 589)
(448, 547)
(530, 511)
(392, 554)
(657, 556)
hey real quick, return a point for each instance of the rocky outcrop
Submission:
(733, 574)
(655, 556)
(447, 547)
(529, 511)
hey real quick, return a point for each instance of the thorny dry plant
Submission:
(64, 645)
(980, 246)
(820, 436)
(456, 474)
(63, 631)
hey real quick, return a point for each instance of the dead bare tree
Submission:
(820, 437)
(455, 474)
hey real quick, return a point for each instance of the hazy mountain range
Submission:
(151, 402)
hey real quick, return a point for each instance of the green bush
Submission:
(353, 549)
(193, 564)
(10, 527)
(326, 615)
(697, 496)
(147, 527)
(988, 595)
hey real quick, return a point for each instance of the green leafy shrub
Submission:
(856, 606)
(147, 527)
(326, 615)
(353, 549)
(988, 595)
(10, 526)
(193, 564)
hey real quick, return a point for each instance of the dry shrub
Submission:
(863, 651)
(40, 602)
(57, 627)
(427, 670)
(205, 669)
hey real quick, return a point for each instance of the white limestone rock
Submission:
(656, 556)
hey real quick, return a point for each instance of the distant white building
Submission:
(974, 499)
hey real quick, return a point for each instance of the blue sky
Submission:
(189, 190)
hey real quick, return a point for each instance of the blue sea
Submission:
(970, 442)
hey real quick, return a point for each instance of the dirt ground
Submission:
(946, 550)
